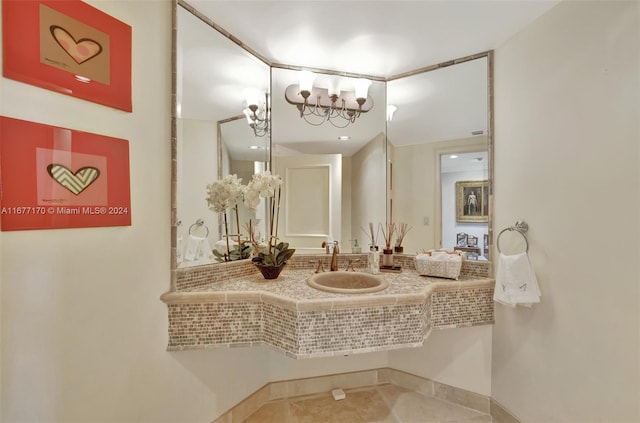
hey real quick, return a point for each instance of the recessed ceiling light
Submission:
(453, 156)
(83, 79)
(344, 138)
(254, 147)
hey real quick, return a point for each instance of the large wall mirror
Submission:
(439, 155)
(337, 180)
(334, 176)
(213, 77)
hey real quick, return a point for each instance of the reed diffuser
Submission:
(401, 232)
(372, 236)
(388, 230)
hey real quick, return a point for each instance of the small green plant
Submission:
(276, 256)
(239, 252)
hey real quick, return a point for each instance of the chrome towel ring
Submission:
(521, 227)
(198, 224)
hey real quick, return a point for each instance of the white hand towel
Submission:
(198, 251)
(179, 250)
(516, 282)
(192, 248)
(204, 254)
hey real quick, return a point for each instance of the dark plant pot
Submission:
(398, 250)
(268, 271)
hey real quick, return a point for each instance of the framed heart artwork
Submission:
(69, 47)
(53, 178)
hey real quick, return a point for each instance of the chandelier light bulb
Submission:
(334, 89)
(391, 109)
(306, 82)
(253, 97)
(362, 88)
(257, 111)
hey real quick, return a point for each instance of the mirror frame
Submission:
(174, 119)
(174, 144)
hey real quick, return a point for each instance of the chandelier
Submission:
(320, 105)
(257, 111)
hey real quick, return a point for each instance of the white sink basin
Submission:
(347, 282)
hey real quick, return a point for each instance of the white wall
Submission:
(368, 187)
(567, 135)
(457, 357)
(415, 180)
(414, 194)
(345, 219)
(282, 367)
(83, 330)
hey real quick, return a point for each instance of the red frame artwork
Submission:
(53, 178)
(69, 47)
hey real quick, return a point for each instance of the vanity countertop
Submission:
(290, 290)
(233, 305)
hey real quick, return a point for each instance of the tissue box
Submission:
(439, 264)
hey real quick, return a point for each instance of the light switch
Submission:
(425, 220)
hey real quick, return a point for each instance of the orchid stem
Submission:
(226, 232)
(238, 227)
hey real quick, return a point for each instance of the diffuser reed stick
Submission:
(371, 235)
(388, 230)
(401, 232)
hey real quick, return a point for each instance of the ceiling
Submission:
(382, 38)
(376, 38)
(464, 162)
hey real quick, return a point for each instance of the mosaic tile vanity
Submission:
(231, 304)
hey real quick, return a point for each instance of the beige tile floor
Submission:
(381, 404)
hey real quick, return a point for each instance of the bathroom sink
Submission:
(347, 282)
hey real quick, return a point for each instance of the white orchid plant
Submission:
(226, 193)
(266, 185)
(222, 195)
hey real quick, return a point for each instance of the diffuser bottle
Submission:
(373, 260)
(387, 258)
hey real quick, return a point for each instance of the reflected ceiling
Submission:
(348, 36)
(450, 103)
(464, 162)
(380, 38)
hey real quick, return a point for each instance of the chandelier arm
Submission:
(305, 117)
(317, 109)
(346, 123)
(336, 110)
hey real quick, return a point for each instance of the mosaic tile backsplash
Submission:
(230, 304)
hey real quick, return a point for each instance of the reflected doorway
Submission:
(464, 203)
